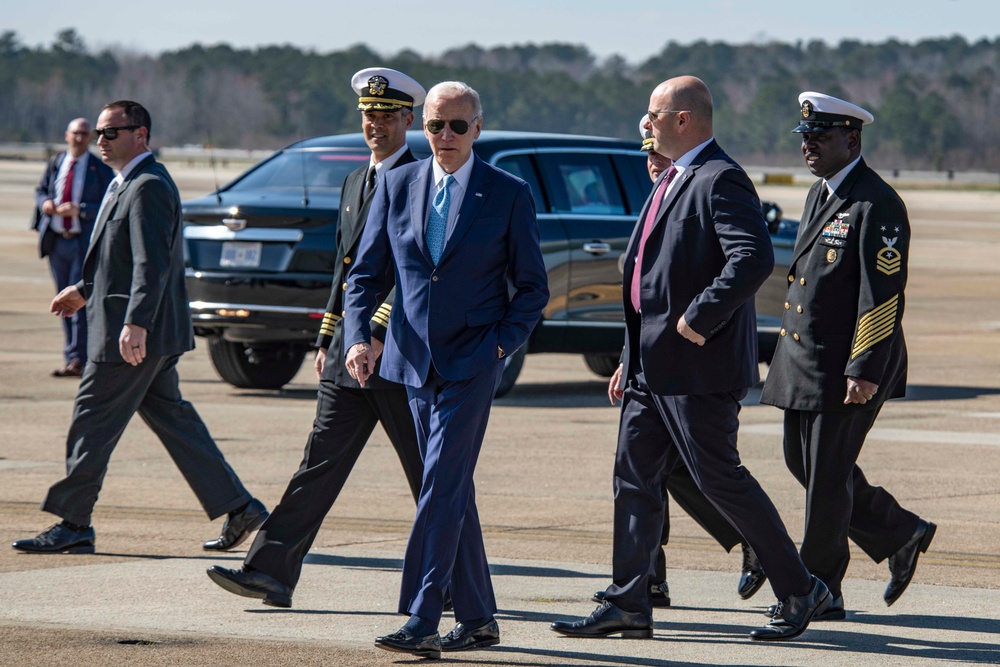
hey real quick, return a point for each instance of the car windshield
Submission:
(322, 170)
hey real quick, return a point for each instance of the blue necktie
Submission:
(438, 221)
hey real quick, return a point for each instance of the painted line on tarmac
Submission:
(899, 435)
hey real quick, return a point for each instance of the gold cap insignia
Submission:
(377, 85)
(807, 109)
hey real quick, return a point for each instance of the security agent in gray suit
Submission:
(139, 323)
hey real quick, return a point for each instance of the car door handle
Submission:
(597, 248)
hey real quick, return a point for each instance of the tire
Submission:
(269, 366)
(604, 365)
(512, 365)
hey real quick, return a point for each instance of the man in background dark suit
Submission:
(140, 325)
(346, 413)
(841, 352)
(680, 483)
(700, 254)
(67, 200)
(458, 232)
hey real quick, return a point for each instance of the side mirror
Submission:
(772, 214)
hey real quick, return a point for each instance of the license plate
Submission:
(240, 254)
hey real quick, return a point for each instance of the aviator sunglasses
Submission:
(111, 133)
(436, 125)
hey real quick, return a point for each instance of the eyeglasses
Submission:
(111, 133)
(654, 115)
(436, 125)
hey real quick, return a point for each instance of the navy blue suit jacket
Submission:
(488, 289)
(99, 175)
(707, 255)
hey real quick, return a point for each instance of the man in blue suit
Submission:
(459, 232)
(67, 200)
(696, 260)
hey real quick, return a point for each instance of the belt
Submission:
(68, 235)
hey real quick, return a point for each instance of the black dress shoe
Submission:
(462, 638)
(834, 612)
(59, 539)
(608, 619)
(793, 614)
(403, 641)
(752, 576)
(238, 527)
(903, 563)
(252, 584)
(659, 595)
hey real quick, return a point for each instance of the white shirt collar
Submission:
(833, 183)
(127, 169)
(685, 160)
(387, 163)
(461, 175)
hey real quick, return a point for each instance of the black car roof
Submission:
(489, 142)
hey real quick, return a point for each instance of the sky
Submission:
(629, 28)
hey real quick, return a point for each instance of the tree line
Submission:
(934, 100)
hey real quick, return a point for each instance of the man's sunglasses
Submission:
(111, 133)
(436, 125)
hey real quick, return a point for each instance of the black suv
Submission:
(260, 251)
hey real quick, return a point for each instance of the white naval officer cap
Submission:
(821, 113)
(646, 134)
(385, 89)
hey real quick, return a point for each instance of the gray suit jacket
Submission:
(134, 269)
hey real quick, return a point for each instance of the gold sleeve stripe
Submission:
(875, 325)
(329, 324)
(382, 315)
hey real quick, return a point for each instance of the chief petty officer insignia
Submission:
(888, 258)
(835, 233)
(377, 85)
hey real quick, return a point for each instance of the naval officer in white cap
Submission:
(841, 352)
(346, 413)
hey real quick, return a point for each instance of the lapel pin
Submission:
(479, 194)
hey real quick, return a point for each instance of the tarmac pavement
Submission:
(543, 488)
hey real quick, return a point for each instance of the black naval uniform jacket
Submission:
(844, 304)
(350, 223)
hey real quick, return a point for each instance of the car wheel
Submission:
(604, 365)
(512, 365)
(269, 366)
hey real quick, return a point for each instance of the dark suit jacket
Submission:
(134, 269)
(95, 184)
(705, 258)
(456, 314)
(847, 275)
(350, 223)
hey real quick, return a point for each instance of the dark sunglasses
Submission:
(111, 133)
(436, 125)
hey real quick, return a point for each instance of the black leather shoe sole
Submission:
(831, 614)
(430, 653)
(71, 549)
(270, 598)
(482, 643)
(925, 542)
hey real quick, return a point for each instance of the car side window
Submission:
(522, 167)
(583, 183)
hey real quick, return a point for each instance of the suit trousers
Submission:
(109, 394)
(66, 266)
(657, 432)
(446, 549)
(345, 419)
(686, 493)
(821, 451)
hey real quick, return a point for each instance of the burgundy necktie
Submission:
(647, 227)
(68, 194)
